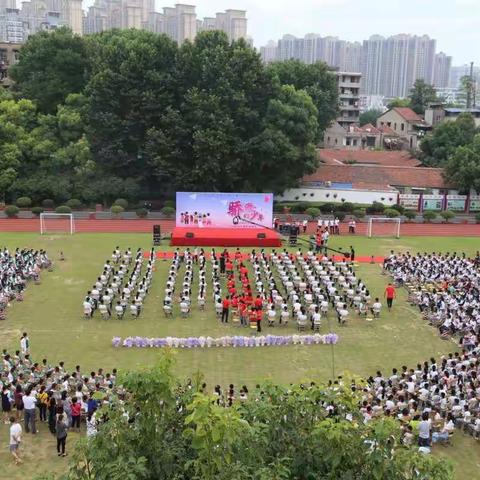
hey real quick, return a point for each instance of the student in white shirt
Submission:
(24, 343)
(15, 439)
(376, 308)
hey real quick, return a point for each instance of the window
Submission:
(354, 143)
(389, 124)
(395, 126)
(402, 126)
(348, 141)
(336, 141)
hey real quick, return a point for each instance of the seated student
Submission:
(271, 314)
(342, 314)
(184, 307)
(87, 309)
(218, 307)
(134, 310)
(444, 434)
(316, 320)
(104, 311)
(167, 307)
(119, 310)
(376, 308)
(284, 315)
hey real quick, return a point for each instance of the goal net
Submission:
(57, 223)
(383, 227)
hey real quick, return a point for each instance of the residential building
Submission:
(348, 95)
(438, 113)
(443, 66)
(233, 23)
(404, 122)
(269, 52)
(9, 53)
(13, 28)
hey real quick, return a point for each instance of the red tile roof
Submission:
(408, 114)
(389, 132)
(379, 176)
(392, 158)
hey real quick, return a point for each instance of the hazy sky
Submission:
(455, 24)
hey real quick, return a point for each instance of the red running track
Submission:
(145, 226)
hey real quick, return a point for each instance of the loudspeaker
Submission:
(189, 234)
(261, 235)
(157, 235)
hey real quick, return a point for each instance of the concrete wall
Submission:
(319, 194)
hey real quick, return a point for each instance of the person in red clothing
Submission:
(229, 267)
(258, 302)
(226, 309)
(390, 294)
(259, 315)
(243, 271)
(76, 412)
(242, 309)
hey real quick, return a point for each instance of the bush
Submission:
(340, 215)
(376, 207)
(24, 202)
(11, 211)
(477, 217)
(447, 215)
(345, 207)
(410, 214)
(74, 203)
(63, 209)
(171, 203)
(116, 209)
(141, 212)
(121, 202)
(429, 215)
(399, 208)
(313, 212)
(359, 212)
(48, 203)
(299, 207)
(327, 207)
(37, 211)
(391, 213)
(168, 211)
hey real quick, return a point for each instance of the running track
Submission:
(145, 226)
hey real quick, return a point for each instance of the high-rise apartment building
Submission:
(348, 84)
(443, 66)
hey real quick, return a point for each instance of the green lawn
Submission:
(52, 315)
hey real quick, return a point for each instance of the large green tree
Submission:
(463, 167)
(370, 116)
(421, 95)
(439, 145)
(52, 65)
(318, 81)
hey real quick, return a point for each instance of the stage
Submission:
(225, 237)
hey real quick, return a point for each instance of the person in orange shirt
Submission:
(259, 315)
(226, 308)
(390, 294)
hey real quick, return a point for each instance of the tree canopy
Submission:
(421, 95)
(463, 167)
(130, 113)
(370, 116)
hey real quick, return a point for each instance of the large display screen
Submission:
(224, 210)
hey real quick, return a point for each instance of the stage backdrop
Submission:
(223, 210)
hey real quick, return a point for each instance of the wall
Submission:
(319, 194)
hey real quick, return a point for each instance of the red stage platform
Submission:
(225, 237)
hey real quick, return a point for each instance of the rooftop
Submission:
(379, 176)
(386, 158)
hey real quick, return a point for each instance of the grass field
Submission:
(52, 316)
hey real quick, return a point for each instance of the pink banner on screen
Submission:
(224, 210)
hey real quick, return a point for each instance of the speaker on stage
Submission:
(157, 235)
(261, 235)
(189, 234)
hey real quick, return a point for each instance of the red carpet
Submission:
(225, 237)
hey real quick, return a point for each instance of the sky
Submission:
(455, 24)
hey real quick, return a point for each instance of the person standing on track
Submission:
(390, 294)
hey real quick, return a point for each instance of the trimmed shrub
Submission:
(410, 214)
(327, 207)
(24, 202)
(340, 215)
(74, 203)
(299, 207)
(48, 203)
(447, 215)
(429, 215)
(359, 212)
(116, 209)
(399, 208)
(121, 202)
(171, 203)
(11, 211)
(37, 211)
(63, 209)
(141, 212)
(168, 211)
(345, 207)
(314, 212)
(391, 213)
(376, 208)
(477, 217)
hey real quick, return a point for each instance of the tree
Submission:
(399, 102)
(463, 167)
(468, 89)
(438, 146)
(370, 116)
(318, 81)
(421, 95)
(52, 65)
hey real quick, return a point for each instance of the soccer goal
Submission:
(57, 223)
(383, 227)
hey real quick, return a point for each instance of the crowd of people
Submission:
(124, 282)
(445, 288)
(16, 269)
(276, 287)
